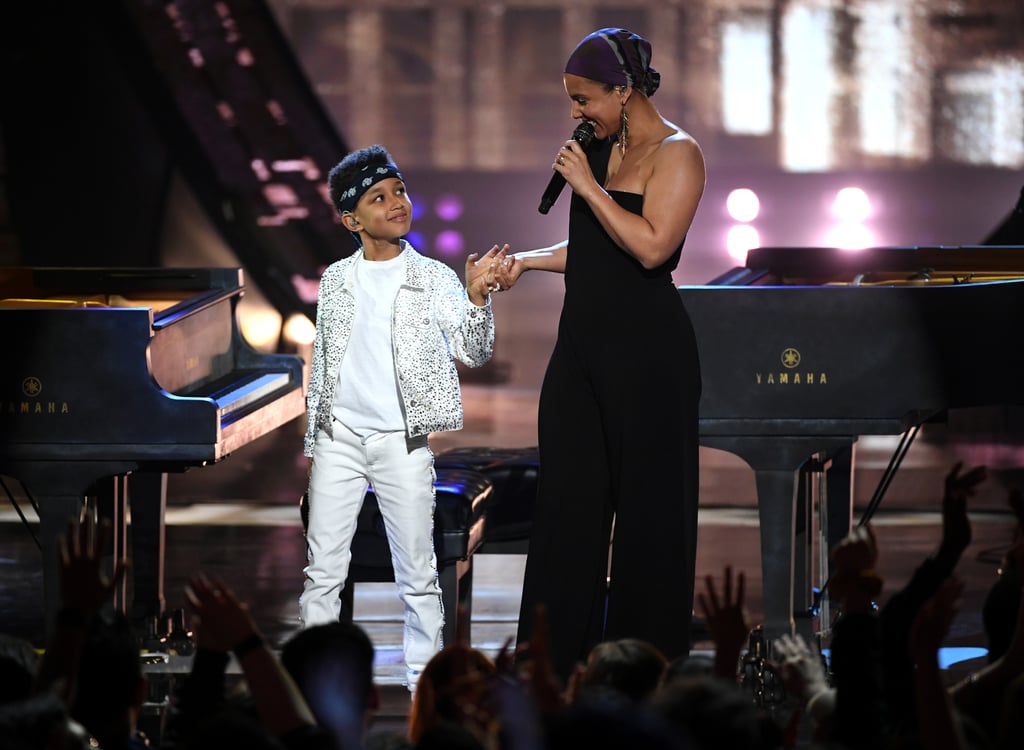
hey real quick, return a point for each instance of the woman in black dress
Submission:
(618, 407)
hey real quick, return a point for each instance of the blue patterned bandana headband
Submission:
(367, 177)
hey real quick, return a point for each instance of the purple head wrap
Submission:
(617, 57)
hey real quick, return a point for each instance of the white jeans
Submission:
(401, 471)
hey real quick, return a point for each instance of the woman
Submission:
(618, 407)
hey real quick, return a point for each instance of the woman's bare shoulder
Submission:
(680, 150)
(680, 142)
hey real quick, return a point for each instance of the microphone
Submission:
(583, 135)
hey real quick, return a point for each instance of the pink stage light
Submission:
(743, 204)
(450, 242)
(740, 239)
(852, 205)
(448, 207)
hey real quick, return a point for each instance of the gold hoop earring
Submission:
(623, 138)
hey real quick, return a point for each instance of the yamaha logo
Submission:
(789, 374)
(31, 387)
(30, 404)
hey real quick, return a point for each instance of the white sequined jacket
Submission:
(433, 323)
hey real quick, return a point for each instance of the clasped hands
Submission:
(494, 271)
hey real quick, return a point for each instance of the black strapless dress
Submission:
(618, 440)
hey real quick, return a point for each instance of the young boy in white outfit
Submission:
(389, 325)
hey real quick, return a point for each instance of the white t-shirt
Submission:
(367, 397)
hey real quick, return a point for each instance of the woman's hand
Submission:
(508, 272)
(480, 274)
(571, 162)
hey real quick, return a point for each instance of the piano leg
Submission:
(837, 520)
(823, 518)
(141, 540)
(777, 464)
(147, 496)
(112, 505)
(840, 496)
(776, 505)
(60, 493)
(810, 498)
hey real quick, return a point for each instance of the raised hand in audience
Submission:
(988, 695)
(225, 624)
(936, 727)
(956, 528)
(897, 616)
(85, 587)
(855, 582)
(726, 620)
(859, 714)
(799, 666)
(220, 621)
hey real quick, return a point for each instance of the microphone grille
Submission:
(583, 134)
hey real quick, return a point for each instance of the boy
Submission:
(390, 323)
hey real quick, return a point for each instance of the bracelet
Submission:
(251, 642)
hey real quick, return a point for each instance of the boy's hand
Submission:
(480, 274)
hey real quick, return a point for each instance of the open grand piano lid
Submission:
(912, 264)
(26, 281)
(894, 264)
(134, 365)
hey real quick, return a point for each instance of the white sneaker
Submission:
(412, 678)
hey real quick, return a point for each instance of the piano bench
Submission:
(513, 472)
(460, 514)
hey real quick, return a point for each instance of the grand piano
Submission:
(804, 349)
(113, 377)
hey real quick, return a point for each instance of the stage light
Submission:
(417, 212)
(851, 205)
(746, 65)
(850, 235)
(299, 330)
(809, 77)
(418, 240)
(260, 325)
(448, 207)
(741, 238)
(743, 204)
(449, 242)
